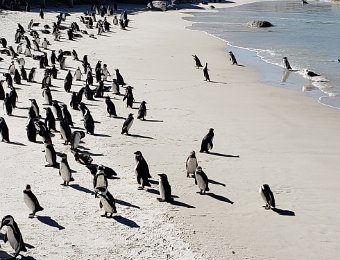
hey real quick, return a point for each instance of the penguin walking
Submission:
(76, 136)
(286, 63)
(142, 111)
(31, 201)
(164, 189)
(78, 74)
(232, 58)
(65, 131)
(206, 73)
(110, 107)
(31, 131)
(197, 62)
(207, 142)
(107, 202)
(47, 95)
(268, 196)
(191, 164)
(4, 130)
(129, 97)
(99, 181)
(142, 171)
(89, 122)
(201, 180)
(66, 114)
(68, 82)
(50, 155)
(13, 235)
(64, 170)
(119, 77)
(127, 124)
(49, 119)
(35, 107)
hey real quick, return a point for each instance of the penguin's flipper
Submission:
(100, 204)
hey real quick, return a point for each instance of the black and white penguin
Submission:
(57, 110)
(47, 95)
(83, 108)
(206, 73)
(78, 74)
(232, 58)
(268, 196)
(49, 119)
(3, 42)
(82, 158)
(35, 107)
(119, 77)
(11, 68)
(197, 62)
(64, 170)
(53, 57)
(115, 20)
(164, 189)
(75, 55)
(286, 63)
(45, 43)
(76, 136)
(50, 155)
(68, 82)
(129, 97)
(23, 73)
(191, 164)
(65, 131)
(4, 130)
(88, 92)
(54, 72)
(8, 104)
(107, 202)
(42, 62)
(115, 87)
(2, 92)
(13, 235)
(66, 115)
(110, 107)
(31, 75)
(17, 77)
(41, 13)
(21, 62)
(100, 182)
(62, 62)
(31, 131)
(201, 180)
(207, 142)
(89, 78)
(142, 171)
(31, 201)
(74, 103)
(105, 72)
(142, 111)
(88, 122)
(127, 124)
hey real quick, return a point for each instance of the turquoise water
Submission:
(309, 35)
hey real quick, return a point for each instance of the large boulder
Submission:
(259, 24)
(158, 5)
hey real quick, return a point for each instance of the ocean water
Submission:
(309, 35)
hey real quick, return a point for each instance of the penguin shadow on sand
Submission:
(50, 222)
(101, 135)
(284, 212)
(140, 136)
(17, 116)
(153, 121)
(219, 197)
(81, 189)
(125, 221)
(126, 204)
(223, 155)
(16, 143)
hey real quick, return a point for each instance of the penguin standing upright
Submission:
(50, 155)
(232, 58)
(99, 181)
(127, 124)
(105, 72)
(4, 130)
(41, 13)
(129, 97)
(78, 74)
(2, 92)
(201, 180)
(23, 73)
(76, 136)
(53, 57)
(89, 122)
(54, 72)
(268, 196)
(65, 131)
(35, 107)
(207, 142)
(119, 77)
(89, 78)
(191, 164)
(17, 77)
(57, 110)
(13, 235)
(8, 104)
(49, 119)
(13, 95)
(142, 111)
(68, 82)
(110, 107)
(164, 188)
(31, 201)
(115, 87)
(286, 63)
(197, 62)
(206, 73)
(64, 170)
(107, 202)
(74, 103)
(66, 114)
(142, 171)
(47, 95)
(31, 75)
(31, 131)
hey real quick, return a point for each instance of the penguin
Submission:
(105, 72)
(31, 201)
(110, 107)
(88, 122)
(89, 78)
(206, 73)
(78, 74)
(53, 57)
(35, 107)
(50, 155)
(119, 77)
(4, 131)
(107, 202)
(12, 52)
(129, 97)
(164, 189)
(74, 103)
(65, 131)
(197, 62)
(62, 63)
(13, 235)
(49, 119)
(9, 79)
(45, 43)
(142, 171)
(75, 55)
(64, 170)
(82, 158)
(44, 132)
(21, 62)
(286, 63)
(88, 92)
(99, 181)
(127, 124)
(207, 141)
(99, 91)
(191, 164)
(31, 131)
(268, 196)
(23, 73)
(83, 108)
(66, 115)
(54, 72)
(28, 52)
(47, 95)
(8, 104)
(11, 68)
(115, 87)
(76, 136)
(3, 42)
(13, 95)
(41, 13)
(17, 77)
(142, 111)
(2, 92)
(232, 58)
(201, 180)
(36, 45)
(57, 110)
(31, 75)
(68, 82)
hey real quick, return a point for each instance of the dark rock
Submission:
(259, 24)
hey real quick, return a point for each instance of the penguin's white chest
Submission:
(48, 156)
(106, 205)
(262, 195)
(101, 182)
(114, 88)
(202, 185)
(191, 165)
(161, 189)
(29, 203)
(76, 141)
(129, 125)
(65, 172)
(78, 75)
(12, 239)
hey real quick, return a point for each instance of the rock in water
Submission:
(259, 24)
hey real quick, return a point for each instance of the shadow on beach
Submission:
(284, 212)
(50, 222)
(125, 221)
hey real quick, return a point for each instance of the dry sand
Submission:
(281, 137)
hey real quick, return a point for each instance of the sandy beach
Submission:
(263, 135)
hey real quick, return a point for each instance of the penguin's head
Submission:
(28, 187)
(162, 177)
(284, 58)
(192, 153)
(100, 167)
(211, 130)
(7, 220)
(199, 169)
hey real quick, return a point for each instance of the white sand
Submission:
(282, 137)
